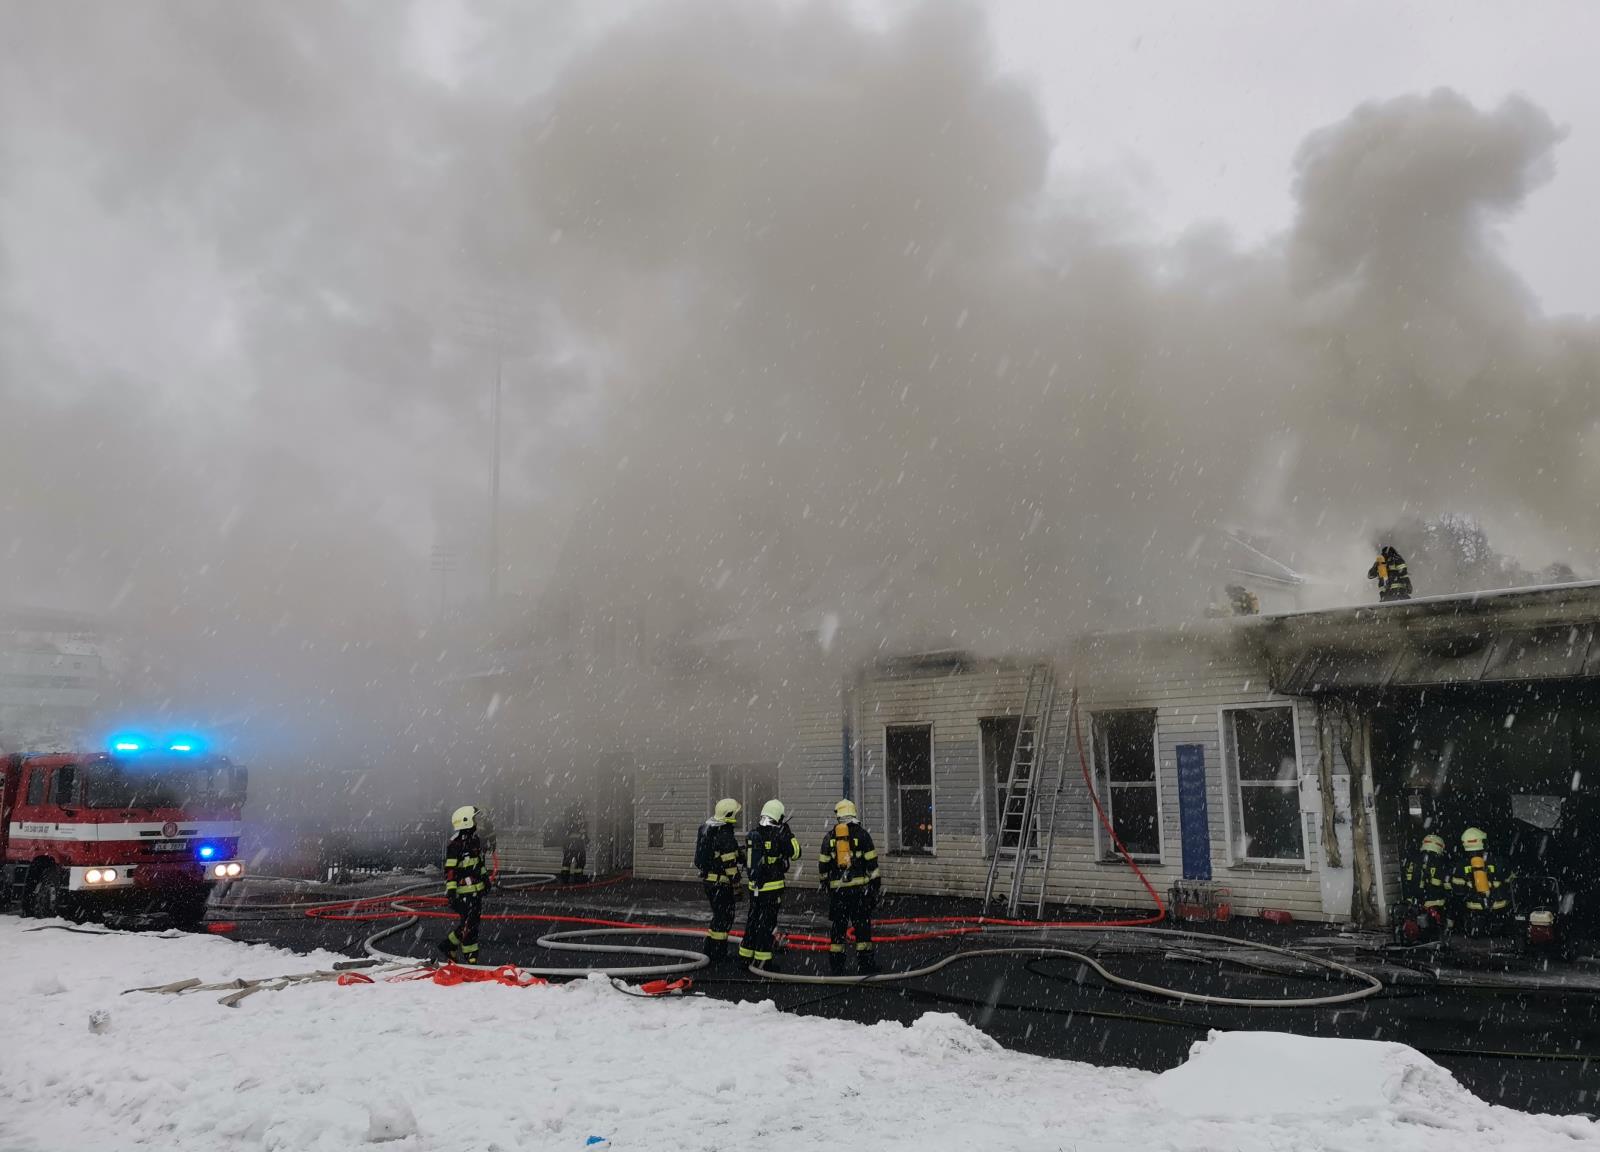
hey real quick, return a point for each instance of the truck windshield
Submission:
(162, 783)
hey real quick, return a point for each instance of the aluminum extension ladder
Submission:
(1017, 839)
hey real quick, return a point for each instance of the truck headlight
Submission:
(109, 875)
(234, 869)
(220, 871)
(92, 876)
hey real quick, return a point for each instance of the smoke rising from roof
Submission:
(796, 325)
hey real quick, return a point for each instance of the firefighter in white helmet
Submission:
(1482, 886)
(847, 868)
(466, 880)
(716, 858)
(769, 850)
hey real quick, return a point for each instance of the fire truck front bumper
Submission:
(111, 877)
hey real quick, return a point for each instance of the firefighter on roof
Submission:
(848, 870)
(466, 879)
(716, 858)
(1482, 886)
(1392, 575)
(769, 849)
(1426, 882)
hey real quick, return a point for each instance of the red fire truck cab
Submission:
(135, 830)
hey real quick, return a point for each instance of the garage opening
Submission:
(1521, 761)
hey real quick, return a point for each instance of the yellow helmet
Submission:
(727, 810)
(846, 810)
(773, 810)
(1434, 843)
(1474, 840)
(464, 817)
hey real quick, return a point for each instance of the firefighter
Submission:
(1394, 579)
(466, 880)
(716, 858)
(769, 849)
(1242, 601)
(575, 845)
(1426, 883)
(847, 868)
(1481, 886)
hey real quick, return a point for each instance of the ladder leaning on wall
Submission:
(1017, 846)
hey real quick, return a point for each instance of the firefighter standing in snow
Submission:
(769, 849)
(716, 858)
(1392, 575)
(466, 879)
(848, 870)
(1482, 886)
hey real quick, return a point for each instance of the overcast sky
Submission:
(1193, 111)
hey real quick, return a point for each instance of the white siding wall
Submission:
(953, 704)
(675, 791)
(1187, 681)
(1185, 678)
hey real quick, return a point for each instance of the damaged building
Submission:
(1286, 761)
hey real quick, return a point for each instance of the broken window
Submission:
(1125, 745)
(908, 772)
(1263, 767)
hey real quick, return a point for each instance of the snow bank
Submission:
(1253, 1074)
(416, 1067)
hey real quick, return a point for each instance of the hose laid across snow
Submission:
(684, 960)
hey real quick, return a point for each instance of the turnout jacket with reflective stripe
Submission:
(719, 849)
(1497, 899)
(1426, 882)
(465, 869)
(769, 849)
(863, 867)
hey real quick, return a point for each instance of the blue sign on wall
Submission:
(1192, 820)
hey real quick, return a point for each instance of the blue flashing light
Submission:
(207, 851)
(124, 744)
(180, 747)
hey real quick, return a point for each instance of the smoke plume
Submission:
(793, 325)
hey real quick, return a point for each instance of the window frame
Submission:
(1100, 770)
(991, 788)
(35, 797)
(893, 833)
(53, 793)
(1233, 799)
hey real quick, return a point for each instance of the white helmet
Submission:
(464, 817)
(773, 810)
(727, 810)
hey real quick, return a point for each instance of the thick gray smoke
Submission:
(796, 326)
(864, 346)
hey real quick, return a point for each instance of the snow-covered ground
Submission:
(480, 1067)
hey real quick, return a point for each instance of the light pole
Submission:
(487, 319)
(494, 472)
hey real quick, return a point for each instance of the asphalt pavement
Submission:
(1515, 1030)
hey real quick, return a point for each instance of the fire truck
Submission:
(141, 828)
